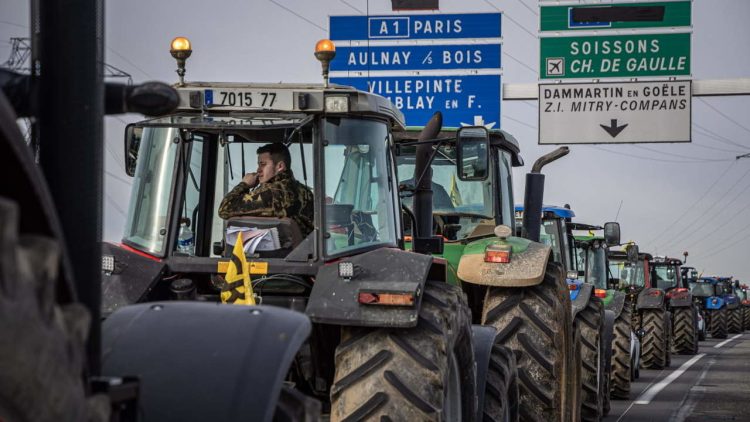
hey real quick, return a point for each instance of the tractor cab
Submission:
(175, 243)
(666, 273)
(555, 232)
(631, 274)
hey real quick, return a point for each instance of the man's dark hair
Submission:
(279, 152)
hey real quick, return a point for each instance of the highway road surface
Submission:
(713, 385)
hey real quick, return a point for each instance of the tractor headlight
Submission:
(337, 104)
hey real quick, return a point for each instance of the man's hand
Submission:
(251, 179)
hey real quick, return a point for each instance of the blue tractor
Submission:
(718, 301)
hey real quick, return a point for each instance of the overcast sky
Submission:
(670, 197)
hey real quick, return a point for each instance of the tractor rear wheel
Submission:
(535, 322)
(422, 373)
(501, 389)
(718, 322)
(685, 331)
(734, 324)
(746, 317)
(655, 323)
(590, 322)
(620, 379)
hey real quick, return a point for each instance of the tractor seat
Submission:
(289, 232)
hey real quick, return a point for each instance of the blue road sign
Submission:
(463, 100)
(417, 57)
(415, 27)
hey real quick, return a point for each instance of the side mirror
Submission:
(612, 233)
(632, 251)
(132, 143)
(472, 155)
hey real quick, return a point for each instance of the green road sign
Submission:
(663, 14)
(615, 56)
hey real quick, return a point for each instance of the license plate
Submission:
(249, 99)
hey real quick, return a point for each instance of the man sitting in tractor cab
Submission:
(271, 192)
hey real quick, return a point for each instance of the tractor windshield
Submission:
(593, 259)
(554, 235)
(147, 221)
(629, 274)
(665, 276)
(462, 209)
(360, 203)
(701, 289)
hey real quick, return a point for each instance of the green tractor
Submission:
(512, 283)
(592, 262)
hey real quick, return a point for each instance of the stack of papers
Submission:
(254, 239)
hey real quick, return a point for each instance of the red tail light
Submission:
(601, 293)
(572, 287)
(680, 289)
(654, 293)
(497, 253)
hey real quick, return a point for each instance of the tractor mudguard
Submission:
(582, 298)
(483, 337)
(526, 267)
(382, 274)
(714, 302)
(133, 277)
(650, 298)
(681, 300)
(617, 303)
(199, 361)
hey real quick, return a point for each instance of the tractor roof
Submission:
(557, 211)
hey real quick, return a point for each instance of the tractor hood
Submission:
(526, 267)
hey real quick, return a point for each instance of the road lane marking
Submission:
(696, 392)
(649, 394)
(727, 341)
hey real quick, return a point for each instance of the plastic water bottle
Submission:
(185, 241)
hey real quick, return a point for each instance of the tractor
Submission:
(390, 338)
(650, 318)
(595, 324)
(592, 262)
(512, 283)
(667, 275)
(689, 279)
(734, 307)
(712, 304)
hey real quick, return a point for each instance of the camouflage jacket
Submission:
(282, 196)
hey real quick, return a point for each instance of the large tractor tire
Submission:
(717, 325)
(501, 388)
(734, 323)
(746, 318)
(685, 331)
(590, 322)
(424, 373)
(655, 323)
(620, 378)
(535, 322)
(42, 353)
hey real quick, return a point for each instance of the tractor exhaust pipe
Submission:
(423, 188)
(534, 194)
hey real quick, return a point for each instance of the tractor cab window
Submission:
(461, 208)
(359, 199)
(701, 289)
(665, 276)
(147, 222)
(629, 274)
(596, 266)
